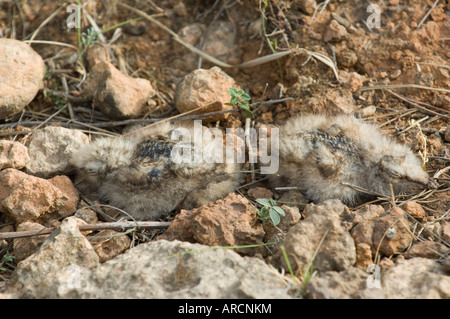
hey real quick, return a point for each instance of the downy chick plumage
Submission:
(325, 157)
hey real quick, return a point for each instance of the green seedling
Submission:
(60, 102)
(272, 44)
(7, 258)
(239, 99)
(270, 210)
(88, 38)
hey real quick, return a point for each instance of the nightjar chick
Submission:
(326, 157)
(150, 174)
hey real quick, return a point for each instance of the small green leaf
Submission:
(239, 98)
(274, 216)
(247, 113)
(275, 44)
(245, 96)
(263, 214)
(279, 210)
(244, 106)
(263, 201)
(232, 91)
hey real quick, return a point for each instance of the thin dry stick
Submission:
(392, 195)
(441, 171)
(397, 117)
(416, 123)
(427, 14)
(324, 59)
(171, 118)
(66, 89)
(287, 188)
(424, 227)
(123, 122)
(417, 105)
(252, 183)
(51, 42)
(120, 226)
(248, 64)
(434, 64)
(422, 195)
(363, 190)
(402, 86)
(374, 117)
(382, 238)
(310, 265)
(47, 20)
(14, 133)
(43, 123)
(205, 115)
(47, 121)
(205, 34)
(96, 209)
(69, 124)
(99, 125)
(409, 100)
(208, 57)
(323, 5)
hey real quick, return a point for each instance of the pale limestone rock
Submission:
(117, 95)
(13, 154)
(416, 278)
(158, 269)
(348, 284)
(202, 87)
(21, 76)
(28, 198)
(230, 221)
(55, 269)
(50, 150)
(336, 252)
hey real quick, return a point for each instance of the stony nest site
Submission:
(276, 149)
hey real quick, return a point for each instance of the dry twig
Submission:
(427, 14)
(119, 226)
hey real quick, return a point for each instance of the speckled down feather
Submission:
(340, 157)
(138, 175)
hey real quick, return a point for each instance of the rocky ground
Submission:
(59, 89)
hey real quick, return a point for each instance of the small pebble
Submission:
(367, 111)
(447, 134)
(395, 74)
(396, 55)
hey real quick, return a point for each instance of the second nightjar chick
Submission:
(326, 157)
